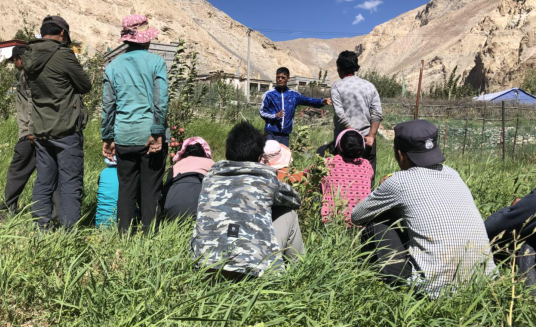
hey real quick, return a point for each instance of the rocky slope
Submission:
(493, 43)
(321, 53)
(220, 41)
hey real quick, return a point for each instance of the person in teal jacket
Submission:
(107, 195)
(135, 100)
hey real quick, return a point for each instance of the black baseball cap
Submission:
(18, 50)
(58, 21)
(418, 139)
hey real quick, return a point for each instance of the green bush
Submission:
(452, 88)
(529, 82)
(7, 90)
(388, 87)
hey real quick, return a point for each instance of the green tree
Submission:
(529, 82)
(7, 83)
(452, 88)
(388, 87)
(27, 32)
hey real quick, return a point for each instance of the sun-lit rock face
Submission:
(220, 41)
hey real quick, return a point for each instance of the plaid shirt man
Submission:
(447, 238)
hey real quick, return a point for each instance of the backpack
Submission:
(180, 195)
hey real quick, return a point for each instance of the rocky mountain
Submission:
(492, 42)
(320, 53)
(220, 41)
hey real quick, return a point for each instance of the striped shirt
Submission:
(447, 237)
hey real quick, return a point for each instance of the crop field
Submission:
(91, 277)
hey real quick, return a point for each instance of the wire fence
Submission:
(505, 129)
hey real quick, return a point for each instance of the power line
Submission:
(349, 34)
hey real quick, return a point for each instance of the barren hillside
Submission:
(493, 42)
(220, 41)
(321, 53)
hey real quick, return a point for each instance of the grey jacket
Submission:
(234, 217)
(23, 106)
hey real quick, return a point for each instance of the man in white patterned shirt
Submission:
(444, 238)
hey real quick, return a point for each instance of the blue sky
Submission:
(282, 20)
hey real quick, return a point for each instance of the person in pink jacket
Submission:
(349, 179)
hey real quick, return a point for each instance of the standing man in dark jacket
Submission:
(23, 164)
(56, 81)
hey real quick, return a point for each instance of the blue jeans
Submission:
(279, 137)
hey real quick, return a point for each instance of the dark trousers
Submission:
(138, 172)
(388, 243)
(279, 137)
(370, 155)
(60, 164)
(20, 170)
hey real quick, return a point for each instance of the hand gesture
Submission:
(31, 138)
(280, 114)
(369, 140)
(154, 144)
(108, 150)
(326, 101)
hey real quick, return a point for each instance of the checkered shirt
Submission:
(447, 238)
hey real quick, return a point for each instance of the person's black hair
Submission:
(194, 150)
(283, 70)
(347, 62)
(244, 143)
(352, 145)
(50, 29)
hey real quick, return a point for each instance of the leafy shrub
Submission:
(7, 98)
(94, 67)
(452, 88)
(529, 82)
(388, 87)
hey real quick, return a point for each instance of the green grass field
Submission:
(90, 277)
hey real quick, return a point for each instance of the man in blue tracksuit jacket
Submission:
(279, 106)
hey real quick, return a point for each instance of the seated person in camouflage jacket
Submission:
(234, 230)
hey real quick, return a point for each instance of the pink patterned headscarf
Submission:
(136, 29)
(339, 138)
(192, 141)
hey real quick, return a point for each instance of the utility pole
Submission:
(416, 115)
(248, 90)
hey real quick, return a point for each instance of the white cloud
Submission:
(371, 5)
(358, 19)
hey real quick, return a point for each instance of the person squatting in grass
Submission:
(135, 100)
(107, 195)
(180, 196)
(285, 220)
(22, 166)
(517, 221)
(349, 177)
(234, 230)
(57, 81)
(443, 238)
(356, 105)
(279, 106)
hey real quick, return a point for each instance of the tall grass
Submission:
(90, 277)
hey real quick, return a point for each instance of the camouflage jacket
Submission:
(234, 217)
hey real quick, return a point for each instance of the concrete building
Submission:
(296, 82)
(257, 85)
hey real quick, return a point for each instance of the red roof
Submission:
(11, 43)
